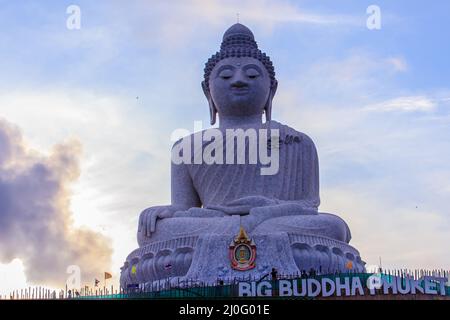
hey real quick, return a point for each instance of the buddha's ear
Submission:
(268, 107)
(212, 106)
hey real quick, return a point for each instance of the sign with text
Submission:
(344, 286)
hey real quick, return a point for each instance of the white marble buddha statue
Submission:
(213, 200)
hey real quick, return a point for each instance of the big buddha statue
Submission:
(231, 220)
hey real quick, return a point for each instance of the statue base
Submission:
(208, 258)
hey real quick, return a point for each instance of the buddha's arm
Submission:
(185, 196)
(309, 202)
(310, 180)
(183, 192)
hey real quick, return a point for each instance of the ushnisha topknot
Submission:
(238, 41)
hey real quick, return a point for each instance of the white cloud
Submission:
(125, 165)
(398, 63)
(404, 104)
(36, 223)
(385, 173)
(262, 15)
(403, 235)
(265, 11)
(12, 277)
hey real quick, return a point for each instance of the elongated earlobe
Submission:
(268, 107)
(212, 114)
(212, 107)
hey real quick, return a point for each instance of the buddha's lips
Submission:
(240, 90)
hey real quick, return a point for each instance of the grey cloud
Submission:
(36, 224)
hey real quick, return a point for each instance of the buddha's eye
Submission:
(226, 74)
(252, 73)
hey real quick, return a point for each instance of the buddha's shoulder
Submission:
(196, 136)
(286, 130)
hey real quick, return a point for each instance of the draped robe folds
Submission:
(217, 186)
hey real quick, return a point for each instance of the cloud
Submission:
(329, 95)
(12, 277)
(399, 64)
(125, 164)
(404, 235)
(262, 15)
(266, 10)
(386, 173)
(404, 104)
(36, 223)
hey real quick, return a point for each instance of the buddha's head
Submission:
(239, 79)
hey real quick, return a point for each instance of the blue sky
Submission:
(376, 103)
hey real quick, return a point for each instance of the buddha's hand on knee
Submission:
(148, 218)
(195, 212)
(292, 208)
(260, 214)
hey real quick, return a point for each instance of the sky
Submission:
(86, 117)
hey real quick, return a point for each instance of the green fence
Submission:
(229, 289)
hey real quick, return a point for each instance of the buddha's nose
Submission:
(239, 84)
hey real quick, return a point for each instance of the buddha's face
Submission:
(239, 86)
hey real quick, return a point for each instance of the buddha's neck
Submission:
(234, 122)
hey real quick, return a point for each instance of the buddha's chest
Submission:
(216, 183)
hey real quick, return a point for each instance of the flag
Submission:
(349, 265)
(133, 269)
(108, 275)
(96, 282)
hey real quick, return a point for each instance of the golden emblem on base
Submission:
(242, 252)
